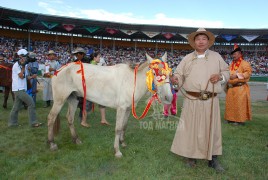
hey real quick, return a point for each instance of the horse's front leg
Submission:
(72, 102)
(125, 120)
(120, 114)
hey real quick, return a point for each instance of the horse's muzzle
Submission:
(167, 100)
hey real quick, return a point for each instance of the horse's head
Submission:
(158, 78)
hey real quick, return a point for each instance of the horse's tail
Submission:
(56, 127)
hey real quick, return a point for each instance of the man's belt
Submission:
(203, 95)
(47, 75)
(236, 85)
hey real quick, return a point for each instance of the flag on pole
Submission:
(68, 27)
(19, 21)
(49, 25)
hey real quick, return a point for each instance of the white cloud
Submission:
(53, 11)
(100, 14)
(159, 19)
(57, 1)
(48, 10)
(264, 26)
(103, 15)
(42, 4)
(71, 14)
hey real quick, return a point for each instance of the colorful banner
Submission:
(111, 31)
(92, 29)
(150, 34)
(250, 38)
(168, 35)
(68, 27)
(228, 37)
(49, 25)
(19, 21)
(184, 35)
(128, 32)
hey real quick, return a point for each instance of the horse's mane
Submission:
(131, 65)
(142, 65)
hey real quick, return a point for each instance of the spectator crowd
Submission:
(9, 47)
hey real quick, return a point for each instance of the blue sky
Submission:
(248, 14)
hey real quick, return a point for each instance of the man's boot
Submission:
(191, 162)
(214, 163)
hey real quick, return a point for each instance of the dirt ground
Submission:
(258, 91)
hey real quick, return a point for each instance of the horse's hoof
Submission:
(78, 141)
(124, 145)
(118, 154)
(53, 147)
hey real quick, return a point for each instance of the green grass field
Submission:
(259, 79)
(24, 153)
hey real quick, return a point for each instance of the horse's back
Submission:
(111, 86)
(105, 85)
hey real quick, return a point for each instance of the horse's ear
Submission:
(164, 57)
(149, 58)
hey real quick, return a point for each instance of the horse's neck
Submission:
(141, 86)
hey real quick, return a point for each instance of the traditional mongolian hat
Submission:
(32, 55)
(51, 52)
(79, 49)
(236, 48)
(210, 35)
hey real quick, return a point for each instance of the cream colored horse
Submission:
(111, 86)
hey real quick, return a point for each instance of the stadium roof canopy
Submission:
(36, 22)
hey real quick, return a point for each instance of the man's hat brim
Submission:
(51, 52)
(79, 50)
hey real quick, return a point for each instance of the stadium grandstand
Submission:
(118, 41)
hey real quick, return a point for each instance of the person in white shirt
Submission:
(19, 87)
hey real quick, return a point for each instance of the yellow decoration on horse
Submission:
(159, 69)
